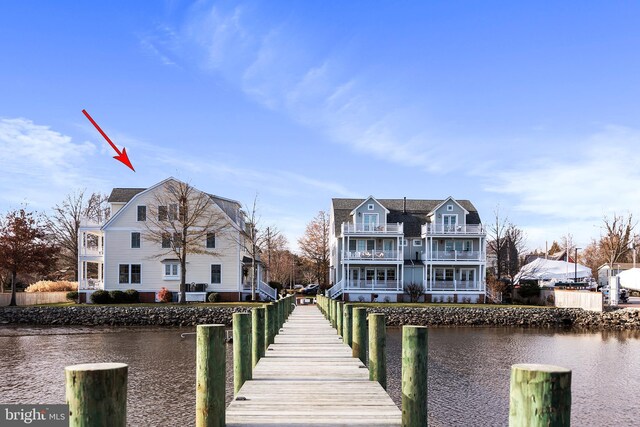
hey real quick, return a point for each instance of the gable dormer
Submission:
(370, 212)
(449, 213)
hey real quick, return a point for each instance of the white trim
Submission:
(170, 276)
(145, 213)
(210, 281)
(129, 274)
(419, 242)
(131, 240)
(449, 208)
(370, 207)
(445, 201)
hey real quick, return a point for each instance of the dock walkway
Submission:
(309, 378)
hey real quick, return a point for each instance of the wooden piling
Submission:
(540, 396)
(257, 334)
(242, 365)
(347, 324)
(414, 376)
(339, 310)
(97, 394)
(211, 371)
(359, 334)
(377, 349)
(269, 324)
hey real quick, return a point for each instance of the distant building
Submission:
(116, 255)
(604, 271)
(379, 247)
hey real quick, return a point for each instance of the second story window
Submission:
(162, 213)
(166, 241)
(135, 240)
(417, 242)
(211, 240)
(142, 213)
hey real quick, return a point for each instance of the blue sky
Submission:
(530, 106)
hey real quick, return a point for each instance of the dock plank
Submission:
(308, 377)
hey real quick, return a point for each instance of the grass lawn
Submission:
(425, 305)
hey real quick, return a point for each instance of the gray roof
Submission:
(123, 195)
(416, 215)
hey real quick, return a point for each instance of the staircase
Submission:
(267, 292)
(336, 290)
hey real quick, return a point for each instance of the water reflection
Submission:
(468, 370)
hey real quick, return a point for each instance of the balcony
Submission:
(453, 256)
(373, 285)
(90, 251)
(91, 284)
(465, 230)
(383, 256)
(361, 228)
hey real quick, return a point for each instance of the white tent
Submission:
(546, 269)
(630, 279)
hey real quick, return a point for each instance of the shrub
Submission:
(100, 297)
(551, 300)
(449, 299)
(51, 286)
(118, 297)
(132, 296)
(387, 299)
(361, 298)
(414, 290)
(72, 296)
(164, 295)
(213, 297)
(466, 300)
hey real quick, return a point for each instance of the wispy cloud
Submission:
(276, 67)
(601, 177)
(40, 162)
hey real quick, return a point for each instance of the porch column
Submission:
(100, 266)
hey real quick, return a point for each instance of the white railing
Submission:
(373, 255)
(452, 229)
(91, 251)
(454, 285)
(373, 285)
(453, 256)
(336, 290)
(90, 284)
(267, 290)
(349, 227)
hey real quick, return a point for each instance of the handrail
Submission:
(335, 290)
(268, 290)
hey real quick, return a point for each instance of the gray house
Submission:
(379, 247)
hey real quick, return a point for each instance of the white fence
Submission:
(32, 298)
(586, 300)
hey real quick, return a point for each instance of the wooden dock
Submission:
(309, 378)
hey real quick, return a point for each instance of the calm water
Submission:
(468, 370)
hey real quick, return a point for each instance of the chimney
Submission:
(404, 205)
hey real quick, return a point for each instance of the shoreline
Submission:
(547, 317)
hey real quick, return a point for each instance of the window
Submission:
(135, 240)
(142, 213)
(173, 212)
(171, 270)
(352, 245)
(124, 273)
(449, 208)
(391, 274)
(162, 213)
(130, 273)
(370, 206)
(166, 241)
(135, 273)
(380, 274)
(417, 242)
(216, 273)
(177, 240)
(462, 245)
(211, 240)
(448, 245)
(404, 242)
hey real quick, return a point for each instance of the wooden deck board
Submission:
(308, 377)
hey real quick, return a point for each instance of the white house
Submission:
(120, 255)
(380, 247)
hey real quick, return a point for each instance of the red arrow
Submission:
(122, 156)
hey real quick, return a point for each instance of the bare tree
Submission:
(615, 243)
(271, 241)
(24, 247)
(314, 245)
(515, 245)
(496, 241)
(63, 223)
(183, 221)
(593, 257)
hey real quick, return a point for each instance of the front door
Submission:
(467, 278)
(370, 275)
(449, 222)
